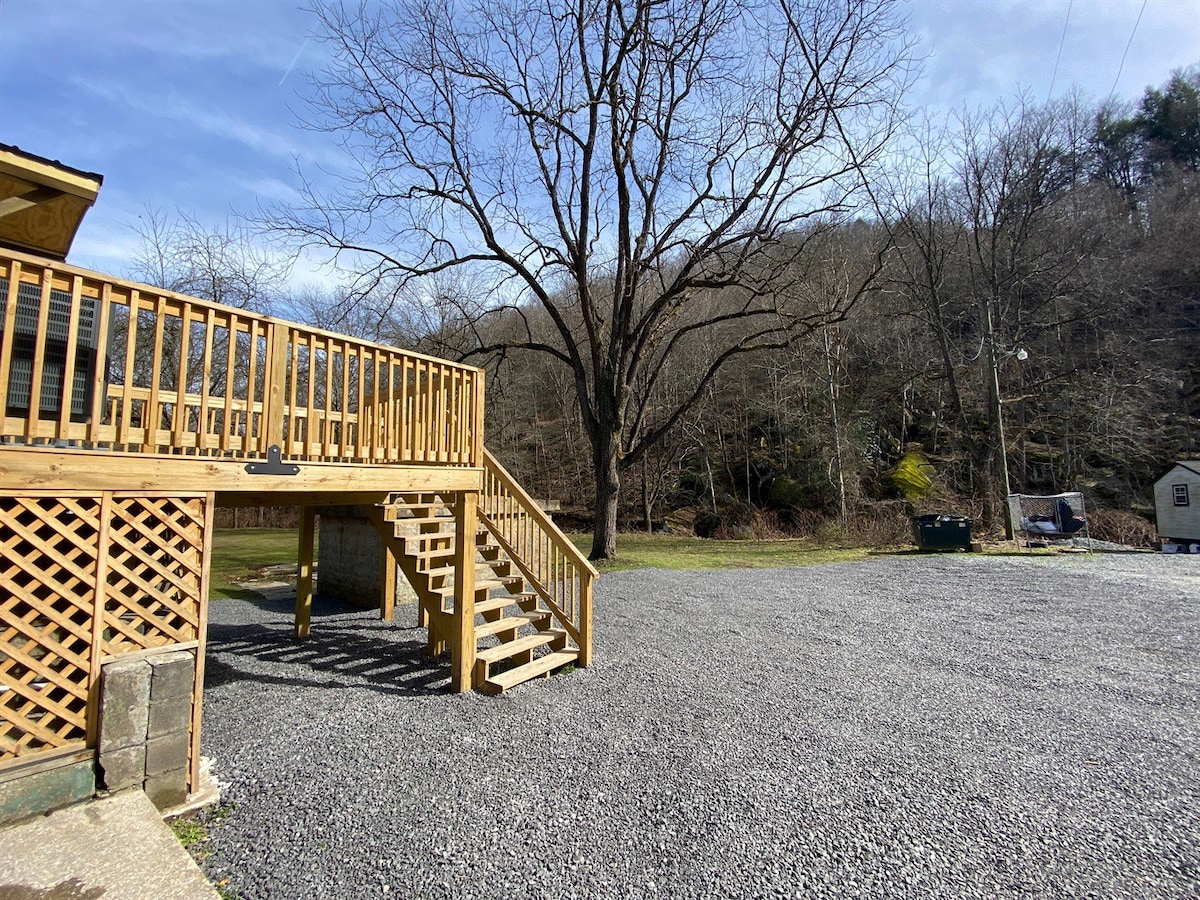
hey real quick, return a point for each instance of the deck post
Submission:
(466, 523)
(387, 581)
(304, 571)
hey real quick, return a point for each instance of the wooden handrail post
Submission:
(585, 619)
(273, 391)
(466, 522)
(477, 457)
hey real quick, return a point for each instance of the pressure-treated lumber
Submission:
(304, 572)
(542, 665)
(24, 469)
(85, 578)
(463, 649)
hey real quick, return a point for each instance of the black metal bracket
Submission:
(274, 464)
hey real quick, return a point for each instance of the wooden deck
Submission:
(128, 413)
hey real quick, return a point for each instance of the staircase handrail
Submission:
(569, 598)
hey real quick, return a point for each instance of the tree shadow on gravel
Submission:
(341, 653)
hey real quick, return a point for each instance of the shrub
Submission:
(1121, 527)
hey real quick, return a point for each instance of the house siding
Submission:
(1180, 523)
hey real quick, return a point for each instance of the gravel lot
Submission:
(906, 726)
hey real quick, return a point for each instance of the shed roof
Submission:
(1192, 465)
(42, 202)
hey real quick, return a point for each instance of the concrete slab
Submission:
(117, 848)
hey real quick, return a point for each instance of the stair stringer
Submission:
(439, 622)
(518, 633)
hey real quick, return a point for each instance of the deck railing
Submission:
(553, 566)
(100, 362)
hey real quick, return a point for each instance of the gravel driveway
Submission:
(906, 726)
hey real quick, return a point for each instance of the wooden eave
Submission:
(42, 202)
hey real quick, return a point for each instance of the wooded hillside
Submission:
(1024, 278)
(1047, 251)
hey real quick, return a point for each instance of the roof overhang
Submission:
(42, 202)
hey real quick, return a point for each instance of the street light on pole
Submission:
(997, 405)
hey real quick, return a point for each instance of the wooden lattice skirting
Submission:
(83, 579)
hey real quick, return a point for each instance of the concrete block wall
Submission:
(350, 560)
(145, 722)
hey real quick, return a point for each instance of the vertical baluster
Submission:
(292, 427)
(68, 375)
(360, 447)
(391, 452)
(559, 577)
(311, 427)
(431, 439)
(444, 413)
(327, 442)
(131, 333)
(252, 397)
(417, 418)
(404, 422)
(460, 418)
(152, 416)
(344, 442)
(10, 331)
(39, 358)
(204, 424)
(227, 426)
(100, 372)
(180, 418)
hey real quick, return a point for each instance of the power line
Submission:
(1121, 67)
(1062, 40)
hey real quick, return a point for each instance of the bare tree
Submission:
(226, 264)
(638, 171)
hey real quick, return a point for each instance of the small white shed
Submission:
(1177, 503)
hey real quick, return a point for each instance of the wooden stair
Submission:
(515, 637)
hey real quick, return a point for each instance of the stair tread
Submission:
(427, 536)
(480, 584)
(508, 623)
(520, 645)
(498, 684)
(491, 604)
(482, 573)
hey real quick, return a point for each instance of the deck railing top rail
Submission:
(101, 362)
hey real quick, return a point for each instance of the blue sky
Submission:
(191, 105)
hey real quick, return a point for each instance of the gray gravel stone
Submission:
(907, 726)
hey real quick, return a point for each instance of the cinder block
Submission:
(169, 716)
(124, 704)
(124, 768)
(167, 789)
(174, 673)
(164, 754)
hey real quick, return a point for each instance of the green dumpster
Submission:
(940, 531)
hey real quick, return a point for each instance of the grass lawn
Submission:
(662, 551)
(239, 554)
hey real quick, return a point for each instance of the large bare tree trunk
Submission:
(606, 460)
